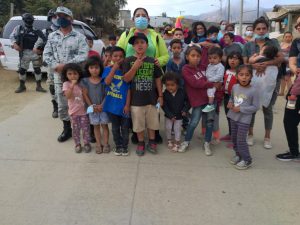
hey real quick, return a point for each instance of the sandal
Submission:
(99, 149)
(106, 149)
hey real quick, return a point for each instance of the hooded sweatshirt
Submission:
(196, 84)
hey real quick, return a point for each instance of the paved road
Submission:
(44, 182)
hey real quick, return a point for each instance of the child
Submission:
(175, 106)
(117, 101)
(244, 101)
(112, 39)
(71, 76)
(146, 92)
(196, 85)
(94, 94)
(90, 42)
(266, 53)
(234, 60)
(176, 62)
(214, 73)
(107, 56)
(230, 46)
(178, 34)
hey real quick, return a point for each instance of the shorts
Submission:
(99, 118)
(144, 117)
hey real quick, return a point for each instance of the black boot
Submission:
(67, 132)
(39, 87)
(92, 134)
(134, 138)
(21, 88)
(158, 138)
(55, 109)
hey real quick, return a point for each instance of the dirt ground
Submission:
(10, 102)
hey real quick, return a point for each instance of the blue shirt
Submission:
(116, 93)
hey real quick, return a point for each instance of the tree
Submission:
(40, 7)
(4, 12)
(106, 11)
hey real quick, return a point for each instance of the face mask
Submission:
(261, 37)
(54, 22)
(28, 23)
(231, 32)
(222, 27)
(200, 34)
(141, 23)
(213, 38)
(249, 33)
(63, 22)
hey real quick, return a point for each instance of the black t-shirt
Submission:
(295, 48)
(143, 88)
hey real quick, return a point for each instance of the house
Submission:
(160, 21)
(283, 18)
(124, 21)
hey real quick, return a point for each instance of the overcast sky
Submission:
(195, 7)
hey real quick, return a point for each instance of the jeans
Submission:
(120, 130)
(195, 118)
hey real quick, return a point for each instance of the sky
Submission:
(173, 8)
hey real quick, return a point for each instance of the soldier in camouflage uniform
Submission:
(23, 39)
(50, 73)
(64, 46)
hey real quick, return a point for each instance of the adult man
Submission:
(292, 110)
(39, 45)
(23, 39)
(64, 45)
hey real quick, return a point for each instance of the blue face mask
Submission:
(63, 22)
(213, 39)
(261, 37)
(141, 23)
(200, 34)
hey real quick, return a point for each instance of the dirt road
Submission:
(11, 103)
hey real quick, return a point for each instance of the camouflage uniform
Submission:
(25, 38)
(61, 49)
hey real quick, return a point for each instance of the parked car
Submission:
(9, 57)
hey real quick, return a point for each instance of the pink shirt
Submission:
(75, 104)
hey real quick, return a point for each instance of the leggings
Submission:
(80, 123)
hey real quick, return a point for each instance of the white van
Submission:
(9, 57)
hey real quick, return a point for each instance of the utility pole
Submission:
(228, 16)
(241, 16)
(181, 12)
(257, 8)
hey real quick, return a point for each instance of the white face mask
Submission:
(222, 27)
(249, 33)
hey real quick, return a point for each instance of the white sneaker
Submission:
(250, 140)
(175, 148)
(208, 108)
(243, 165)
(207, 149)
(267, 143)
(184, 146)
(235, 159)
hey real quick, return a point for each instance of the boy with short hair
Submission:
(214, 73)
(146, 92)
(176, 62)
(117, 101)
(112, 39)
(90, 43)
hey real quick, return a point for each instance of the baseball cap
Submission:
(64, 10)
(138, 36)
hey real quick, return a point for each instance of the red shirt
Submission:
(196, 84)
(229, 81)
